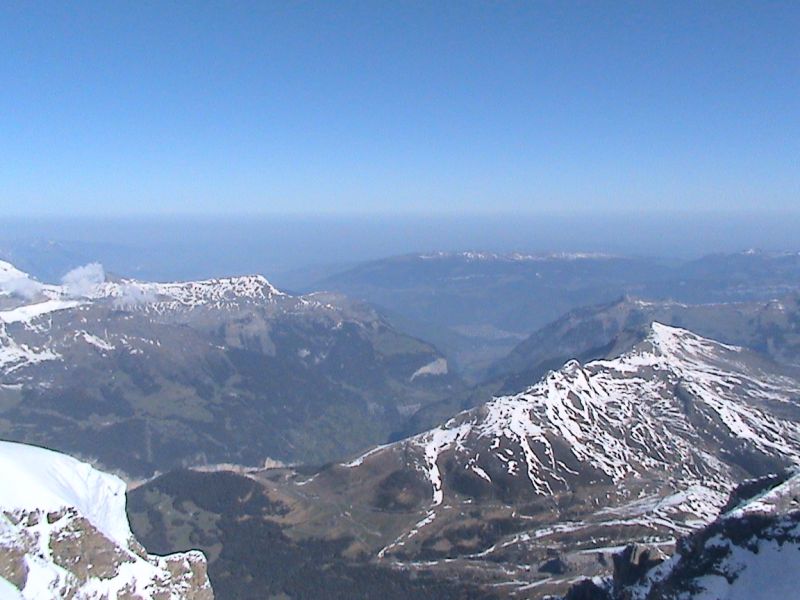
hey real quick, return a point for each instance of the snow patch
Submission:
(435, 367)
(96, 341)
(49, 481)
(26, 314)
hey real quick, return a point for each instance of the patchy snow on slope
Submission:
(29, 333)
(95, 341)
(89, 283)
(358, 461)
(214, 293)
(434, 442)
(14, 355)
(627, 417)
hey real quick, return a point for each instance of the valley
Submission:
(228, 370)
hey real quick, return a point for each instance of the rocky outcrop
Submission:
(588, 589)
(633, 563)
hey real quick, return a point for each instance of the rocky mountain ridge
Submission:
(223, 370)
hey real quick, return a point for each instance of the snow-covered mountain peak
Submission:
(681, 343)
(16, 283)
(94, 284)
(647, 445)
(677, 412)
(10, 272)
(685, 355)
(26, 299)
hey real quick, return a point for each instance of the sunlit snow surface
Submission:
(8, 591)
(44, 497)
(47, 480)
(211, 293)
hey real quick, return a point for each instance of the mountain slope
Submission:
(647, 445)
(254, 551)
(151, 376)
(529, 491)
(477, 306)
(64, 533)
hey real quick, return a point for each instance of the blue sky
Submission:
(115, 108)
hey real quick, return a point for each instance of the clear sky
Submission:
(115, 108)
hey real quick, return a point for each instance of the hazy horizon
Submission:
(169, 141)
(183, 247)
(557, 417)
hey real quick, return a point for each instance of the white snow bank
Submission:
(36, 478)
(25, 314)
(436, 367)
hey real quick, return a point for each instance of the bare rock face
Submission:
(634, 562)
(586, 589)
(72, 540)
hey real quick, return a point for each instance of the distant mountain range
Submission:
(149, 376)
(771, 327)
(477, 306)
(629, 421)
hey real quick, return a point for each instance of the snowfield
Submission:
(54, 511)
(48, 481)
